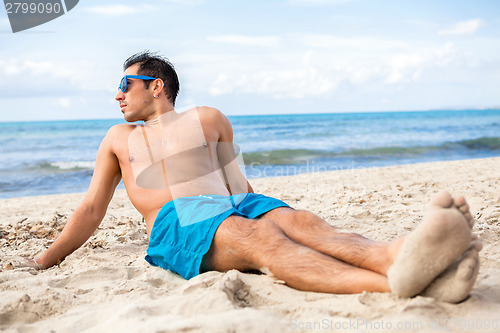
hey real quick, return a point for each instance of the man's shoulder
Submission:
(211, 116)
(120, 129)
(209, 112)
(116, 136)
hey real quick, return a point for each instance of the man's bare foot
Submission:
(456, 282)
(442, 237)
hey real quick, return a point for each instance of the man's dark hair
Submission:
(154, 65)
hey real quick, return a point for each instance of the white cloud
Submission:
(405, 65)
(361, 60)
(27, 68)
(317, 66)
(48, 78)
(446, 54)
(469, 27)
(263, 41)
(118, 10)
(300, 83)
(408, 67)
(279, 75)
(64, 102)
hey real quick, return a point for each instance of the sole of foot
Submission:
(456, 282)
(442, 237)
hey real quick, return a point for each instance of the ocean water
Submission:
(41, 158)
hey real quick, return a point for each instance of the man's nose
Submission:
(119, 95)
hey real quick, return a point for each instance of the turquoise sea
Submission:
(41, 158)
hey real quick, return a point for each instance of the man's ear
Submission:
(158, 87)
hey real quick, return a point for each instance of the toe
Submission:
(469, 218)
(464, 208)
(477, 245)
(468, 265)
(442, 199)
(460, 201)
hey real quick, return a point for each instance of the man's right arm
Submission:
(91, 211)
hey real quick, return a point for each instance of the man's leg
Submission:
(245, 244)
(440, 239)
(310, 230)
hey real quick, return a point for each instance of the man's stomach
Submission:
(149, 202)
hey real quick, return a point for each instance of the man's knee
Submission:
(305, 217)
(296, 218)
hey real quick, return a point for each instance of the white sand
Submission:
(107, 286)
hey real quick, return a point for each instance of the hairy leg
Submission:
(298, 255)
(260, 244)
(310, 230)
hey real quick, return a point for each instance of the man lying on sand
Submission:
(181, 173)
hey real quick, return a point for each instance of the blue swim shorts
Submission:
(185, 227)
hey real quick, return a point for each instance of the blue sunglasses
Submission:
(123, 82)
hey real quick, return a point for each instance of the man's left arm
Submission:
(235, 179)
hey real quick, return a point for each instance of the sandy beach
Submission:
(107, 286)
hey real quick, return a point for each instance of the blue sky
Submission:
(259, 57)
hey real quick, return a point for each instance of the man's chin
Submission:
(130, 118)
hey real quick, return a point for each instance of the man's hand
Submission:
(22, 262)
(34, 264)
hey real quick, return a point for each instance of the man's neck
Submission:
(161, 118)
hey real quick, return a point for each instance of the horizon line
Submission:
(495, 108)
